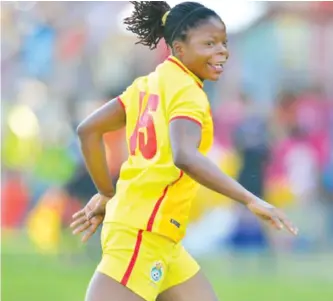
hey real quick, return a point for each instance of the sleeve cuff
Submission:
(121, 102)
(186, 118)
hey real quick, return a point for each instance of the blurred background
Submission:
(273, 113)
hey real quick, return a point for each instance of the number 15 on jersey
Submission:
(143, 139)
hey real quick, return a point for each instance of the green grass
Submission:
(27, 276)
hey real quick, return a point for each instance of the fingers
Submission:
(279, 224)
(277, 219)
(78, 214)
(78, 221)
(81, 217)
(82, 228)
(86, 221)
(286, 222)
(289, 226)
(89, 233)
(276, 223)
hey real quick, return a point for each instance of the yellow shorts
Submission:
(145, 262)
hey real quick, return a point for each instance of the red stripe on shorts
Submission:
(131, 265)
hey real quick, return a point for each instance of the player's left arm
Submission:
(109, 117)
(186, 118)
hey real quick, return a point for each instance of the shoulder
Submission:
(193, 94)
(137, 85)
(190, 102)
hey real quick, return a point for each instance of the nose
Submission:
(222, 50)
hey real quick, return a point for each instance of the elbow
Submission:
(181, 159)
(81, 130)
(87, 133)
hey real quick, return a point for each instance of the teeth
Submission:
(217, 66)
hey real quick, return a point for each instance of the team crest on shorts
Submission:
(156, 273)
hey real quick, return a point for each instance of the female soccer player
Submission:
(169, 130)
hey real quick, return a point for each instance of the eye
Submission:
(210, 43)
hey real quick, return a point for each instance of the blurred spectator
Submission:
(252, 143)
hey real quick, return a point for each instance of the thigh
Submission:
(184, 280)
(104, 288)
(196, 288)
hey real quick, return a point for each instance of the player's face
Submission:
(205, 50)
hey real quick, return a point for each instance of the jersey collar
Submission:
(179, 64)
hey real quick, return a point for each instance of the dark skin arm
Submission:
(109, 117)
(185, 136)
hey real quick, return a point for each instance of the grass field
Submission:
(28, 276)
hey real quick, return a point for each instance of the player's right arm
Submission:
(109, 117)
(185, 137)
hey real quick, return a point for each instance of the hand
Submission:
(90, 217)
(272, 215)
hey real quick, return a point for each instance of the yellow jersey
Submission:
(152, 193)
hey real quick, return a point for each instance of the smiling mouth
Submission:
(217, 67)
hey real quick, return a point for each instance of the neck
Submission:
(179, 59)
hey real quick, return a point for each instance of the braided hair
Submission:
(153, 20)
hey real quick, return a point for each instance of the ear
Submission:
(178, 48)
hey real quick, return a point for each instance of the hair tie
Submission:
(164, 18)
(184, 18)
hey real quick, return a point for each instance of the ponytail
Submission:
(147, 21)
